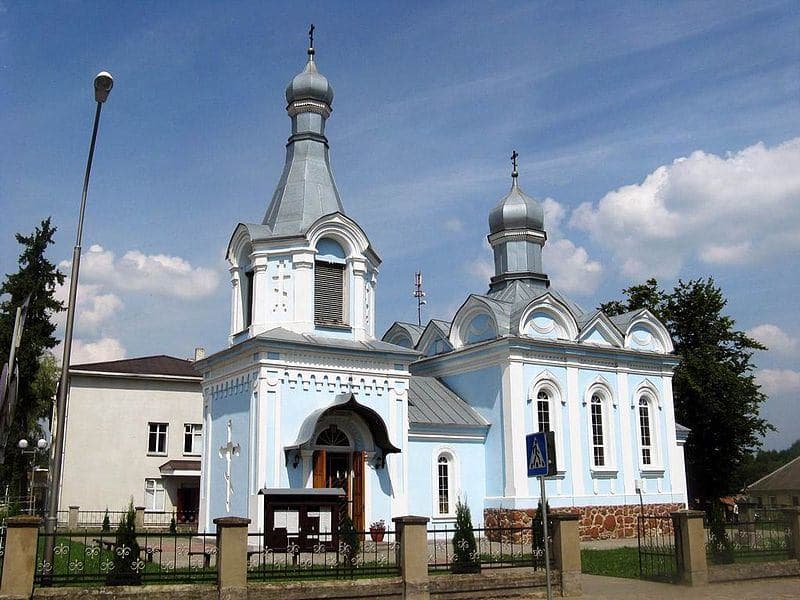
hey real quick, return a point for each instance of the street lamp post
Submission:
(41, 446)
(103, 83)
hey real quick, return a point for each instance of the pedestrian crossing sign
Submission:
(541, 454)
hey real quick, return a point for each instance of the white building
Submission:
(134, 431)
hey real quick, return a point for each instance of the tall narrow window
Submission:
(248, 299)
(154, 495)
(157, 438)
(192, 438)
(543, 410)
(444, 484)
(644, 431)
(598, 446)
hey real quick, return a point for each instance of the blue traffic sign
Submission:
(540, 461)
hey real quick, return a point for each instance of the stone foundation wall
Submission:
(596, 522)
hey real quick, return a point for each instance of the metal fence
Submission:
(659, 557)
(323, 555)
(95, 518)
(747, 541)
(493, 548)
(101, 558)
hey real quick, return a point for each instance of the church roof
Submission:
(431, 402)
(279, 334)
(145, 365)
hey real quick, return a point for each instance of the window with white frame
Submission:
(330, 290)
(443, 481)
(192, 438)
(157, 438)
(543, 410)
(645, 436)
(154, 495)
(598, 434)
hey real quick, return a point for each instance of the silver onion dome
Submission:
(516, 210)
(310, 84)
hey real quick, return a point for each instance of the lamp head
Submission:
(22, 444)
(41, 444)
(103, 82)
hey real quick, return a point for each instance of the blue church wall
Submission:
(230, 403)
(659, 422)
(482, 389)
(471, 474)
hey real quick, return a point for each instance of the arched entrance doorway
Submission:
(337, 464)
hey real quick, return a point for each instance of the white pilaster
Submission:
(670, 453)
(303, 301)
(260, 295)
(629, 447)
(236, 301)
(576, 458)
(514, 451)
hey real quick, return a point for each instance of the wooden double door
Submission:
(345, 470)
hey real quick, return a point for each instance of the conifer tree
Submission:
(465, 549)
(714, 387)
(38, 373)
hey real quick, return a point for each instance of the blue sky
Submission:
(662, 137)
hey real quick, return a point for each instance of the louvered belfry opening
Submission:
(329, 293)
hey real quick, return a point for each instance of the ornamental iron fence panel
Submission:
(659, 555)
(103, 558)
(748, 541)
(495, 548)
(321, 556)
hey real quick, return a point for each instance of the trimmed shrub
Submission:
(465, 551)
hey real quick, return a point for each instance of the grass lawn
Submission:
(616, 562)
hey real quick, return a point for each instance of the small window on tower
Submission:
(248, 299)
(329, 284)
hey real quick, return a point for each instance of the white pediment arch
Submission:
(563, 324)
(646, 332)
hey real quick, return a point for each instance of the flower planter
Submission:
(376, 534)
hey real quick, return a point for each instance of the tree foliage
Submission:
(38, 277)
(465, 548)
(714, 386)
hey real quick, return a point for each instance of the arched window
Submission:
(329, 284)
(444, 487)
(645, 437)
(543, 410)
(247, 298)
(598, 437)
(332, 436)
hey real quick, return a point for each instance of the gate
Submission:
(659, 555)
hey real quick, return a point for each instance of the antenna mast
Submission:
(419, 295)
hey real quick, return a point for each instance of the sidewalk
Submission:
(613, 588)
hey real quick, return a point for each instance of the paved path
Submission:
(613, 588)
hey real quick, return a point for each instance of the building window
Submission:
(773, 501)
(154, 495)
(598, 441)
(329, 293)
(543, 410)
(332, 436)
(759, 501)
(645, 438)
(443, 478)
(157, 438)
(248, 299)
(192, 438)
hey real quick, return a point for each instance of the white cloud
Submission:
(154, 273)
(454, 224)
(570, 267)
(774, 338)
(778, 382)
(481, 268)
(95, 307)
(720, 210)
(98, 351)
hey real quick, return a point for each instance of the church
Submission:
(307, 397)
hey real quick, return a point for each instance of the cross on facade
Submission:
(228, 451)
(281, 295)
(514, 157)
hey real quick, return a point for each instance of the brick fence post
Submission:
(567, 552)
(793, 517)
(412, 543)
(22, 535)
(72, 519)
(139, 518)
(690, 544)
(232, 557)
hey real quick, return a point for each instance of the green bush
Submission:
(538, 526)
(173, 525)
(349, 541)
(720, 546)
(126, 551)
(465, 550)
(106, 522)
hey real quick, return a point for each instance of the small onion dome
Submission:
(310, 84)
(516, 210)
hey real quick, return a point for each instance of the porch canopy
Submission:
(345, 402)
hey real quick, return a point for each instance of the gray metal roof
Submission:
(786, 477)
(279, 334)
(430, 402)
(412, 330)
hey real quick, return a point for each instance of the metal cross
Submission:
(228, 451)
(311, 36)
(514, 157)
